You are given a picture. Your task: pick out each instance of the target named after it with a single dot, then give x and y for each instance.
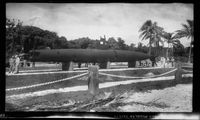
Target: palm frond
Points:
(145, 25)
(180, 34)
(185, 26)
(190, 23)
(142, 34)
(187, 30)
(146, 36)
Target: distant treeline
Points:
(22, 39)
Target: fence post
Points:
(93, 82)
(178, 73)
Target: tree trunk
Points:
(159, 50)
(34, 46)
(189, 59)
(149, 53)
(167, 51)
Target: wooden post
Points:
(93, 82)
(178, 73)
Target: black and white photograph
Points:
(99, 57)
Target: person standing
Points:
(17, 62)
(11, 63)
(167, 62)
(172, 60)
(153, 61)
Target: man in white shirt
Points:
(11, 63)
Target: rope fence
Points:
(125, 69)
(85, 87)
(106, 74)
(47, 83)
(187, 70)
(21, 74)
(138, 77)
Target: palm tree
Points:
(170, 39)
(150, 31)
(187, 32)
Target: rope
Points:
(188, 66)
(138, 77)
(187, 70)
(85, 87)
(44, 73)
(25, 71)
(105, 70)
(47, 83)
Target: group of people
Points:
(157, 61)
(14, 63)
(167, 61)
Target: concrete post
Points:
(93, 82)
(69, 66)
(178, 73)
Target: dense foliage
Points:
(22, 39)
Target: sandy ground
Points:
(177, 99)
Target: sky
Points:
(76, 20)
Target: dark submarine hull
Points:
(86, 55)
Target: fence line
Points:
(41, 84)
(138, 77)
(46, 70)
(124, 69)
(47, 83)
(85, 87)
(102, 70)
(187, 71)
(45, 73)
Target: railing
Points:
(93, 76)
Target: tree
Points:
(13, 36)
(121, 43)
(140, 45)
(170, 39)
(112, 43)
(141, 48)
(187, 31)
(150, 30)
(34, 38)
(61, 43)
